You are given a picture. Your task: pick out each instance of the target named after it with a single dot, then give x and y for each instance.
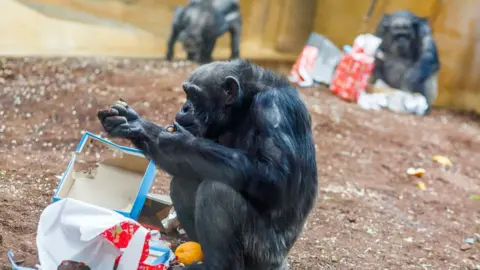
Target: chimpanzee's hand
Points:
(120, 121)
(175, 135)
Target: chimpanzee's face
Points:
(192, 43)
(194, 114)
(403, 36)
(210, 93)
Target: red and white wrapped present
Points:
(74, 231)
(316, 62)
(354, 69)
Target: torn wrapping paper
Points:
(354, 69)
(368, 43)
(316, 63)
(98, 237)
(394, 100)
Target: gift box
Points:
(108, 175)
(355, 67)
(316, 63)
(72, 232)
(351, 76)
(156, 208)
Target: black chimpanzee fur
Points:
(408, 57)
(242, 159)
(200, 23)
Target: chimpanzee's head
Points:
(192, 42)
(214, 94)
(400, 33)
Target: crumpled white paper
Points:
(368, 42)
(70, 230)
(396, 100)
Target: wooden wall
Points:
(456, 30)
(27, 32)
(274, 31)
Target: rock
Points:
(351, 218)
(470, 240)
(408, 239)
(465, 247)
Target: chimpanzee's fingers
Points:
(121, 131)
(126, 111)
(106, 113)
(179, 127)
(111, 122)
(122, 110)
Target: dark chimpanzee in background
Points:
(242, 158)
(407, 58)
(200, 23)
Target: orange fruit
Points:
(189, 252)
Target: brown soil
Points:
(370, 214)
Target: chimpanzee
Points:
(242, 157)
(200, 23)
(407, 58)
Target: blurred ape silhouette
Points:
(407, 58)
(200, 23)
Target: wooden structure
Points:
(274, 32)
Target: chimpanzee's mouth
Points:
(190, 127)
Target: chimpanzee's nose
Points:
(184, 113)
(186, 108)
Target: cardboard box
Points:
(316, 63)
(155, 209)
(119, 182)
(351, 76)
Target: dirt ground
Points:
(369, 215)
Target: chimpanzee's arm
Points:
(377, 73)
(428, 62)
(233, 20)
(207, 49)
(258, 176)
(175, 32)
(235, 33)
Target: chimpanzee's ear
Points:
(232, 90)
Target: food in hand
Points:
(171, 129)
(122, 102)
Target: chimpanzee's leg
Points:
(221, 217)
(207, 50)
(177, 27)
(171, 42)
(235, 33)
(182, 192)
